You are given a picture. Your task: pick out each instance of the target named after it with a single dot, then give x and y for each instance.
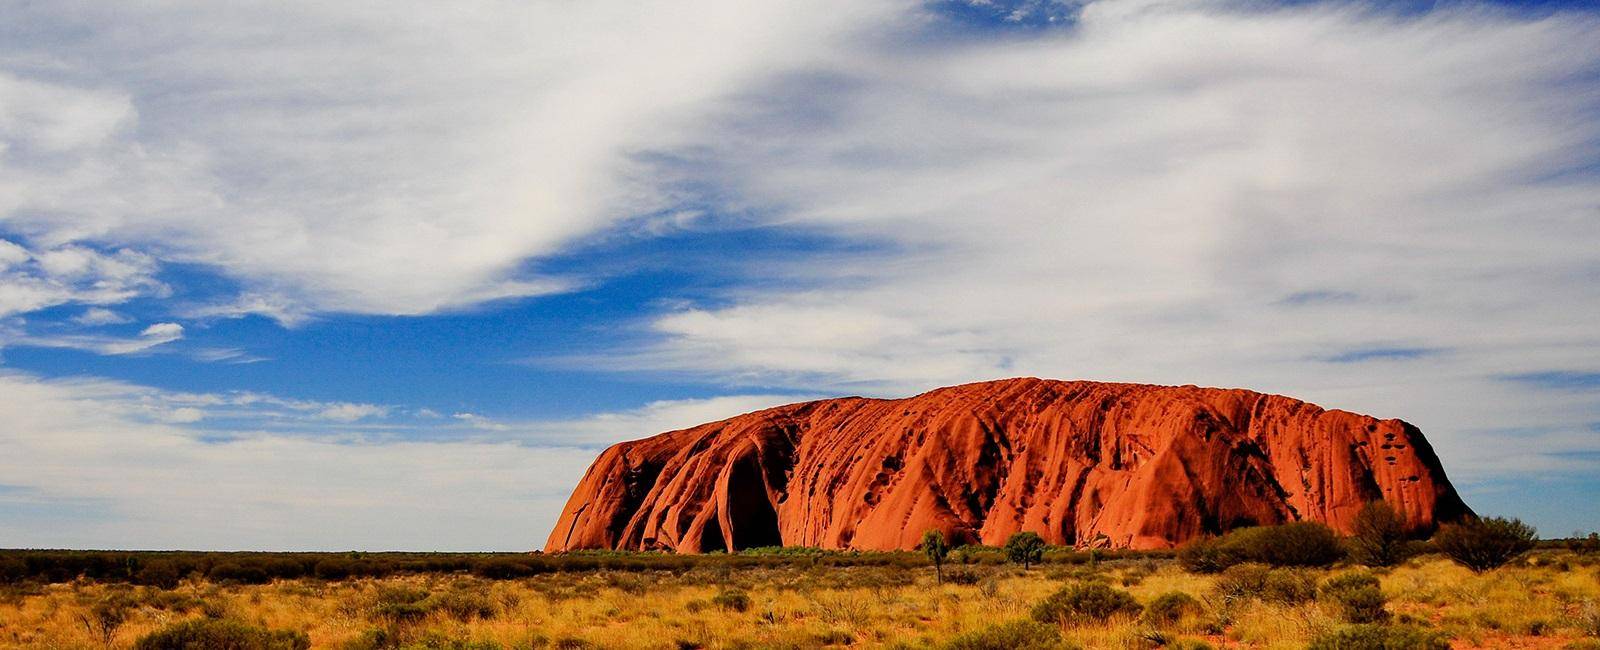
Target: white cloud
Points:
(480, 422)
(86, 453)
(413, 173)
(12, 254)
(151, 337)
(347, 412)
(167, 331)
(94, 316)
(1184, 192)
(36, 279)
(185, 415)
(127, 466)
(603, 429)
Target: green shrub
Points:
(12, 570)
(1357, 597)
(1204, 556)
(1484, 544)
(1363, 605)
(373, 639)
(1380, 536)
(333, 569)
(401, 604)
(962, 577)
(1581, 544)
(1380, 637)
(1083, 603)
(211, 634)
(248, 574)
(504, 569)
(158, 573)
(1289, 586)
(1170, 607)
(436, 641)
(733, 599)
(1015, 635)
(388, 594)
(1242, 581)
(1301, 543)
(1349, 581)
(1025, 548)
(108, 614)
(463, 605)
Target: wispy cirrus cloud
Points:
(1558, 379)
(147, 339)
(414, 173)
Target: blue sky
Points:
(285, 276)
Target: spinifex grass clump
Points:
(1356, 596)
(1171, 607)
(1380, 637)
(1013, 635)
(1258, 581)
(1085, 603)
(213, 634)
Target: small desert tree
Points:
(1025, 548)
(934, 544)
(1379, 535)
(1483, 544)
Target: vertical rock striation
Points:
(1084, 463)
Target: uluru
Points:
(1081, 463)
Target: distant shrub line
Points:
(166, 568)
(1480, 544)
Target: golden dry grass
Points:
(1549, 602)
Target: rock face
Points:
(1084, 463)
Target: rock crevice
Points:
(1125, 465)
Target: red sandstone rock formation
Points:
(1122, 465)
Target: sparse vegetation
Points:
(1085, 603)
(798, 598)
(732, 600)
(1380, 637)
(1358, 597)
(1025, 548)
(1380, 536)
(212, 634)
(1169, 608)
(1297, 544)
(1484, 544)
(1015, 635)
(937, 549)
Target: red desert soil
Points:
(1083, 463)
